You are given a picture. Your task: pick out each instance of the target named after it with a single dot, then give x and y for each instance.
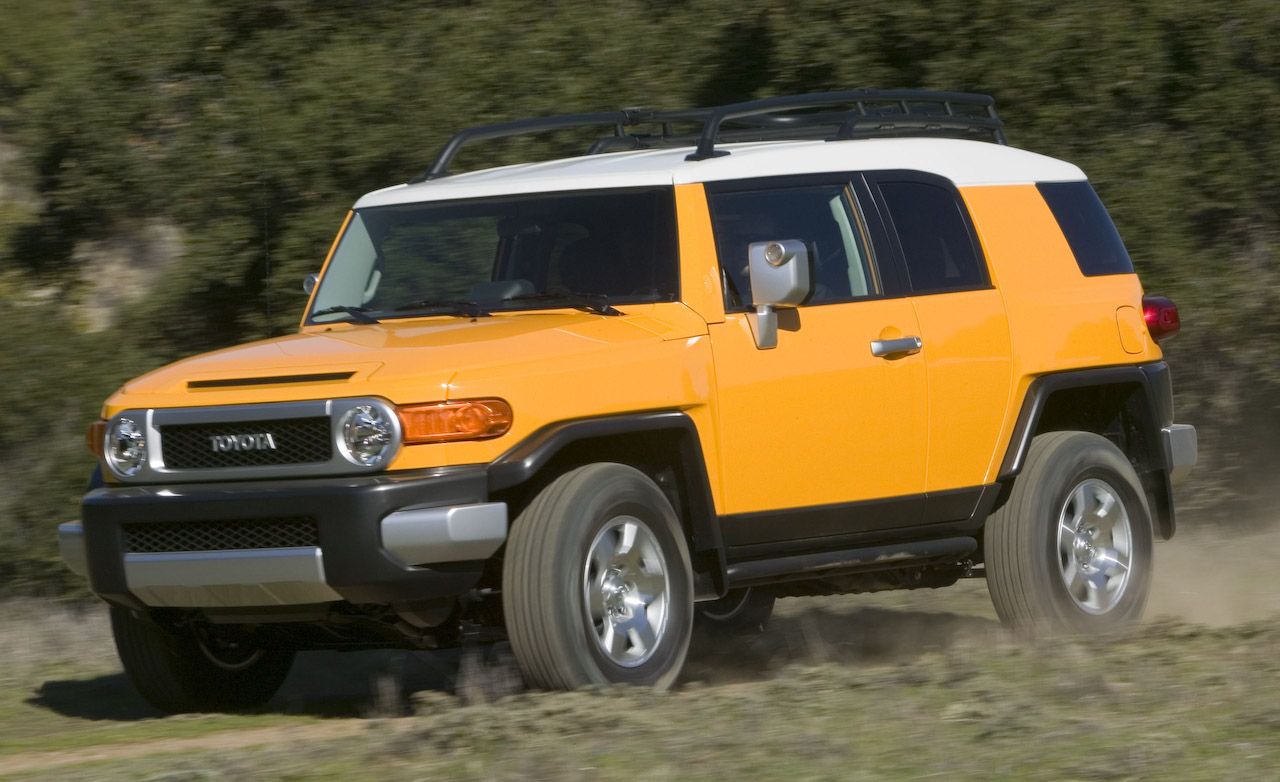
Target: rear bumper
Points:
(384, 539)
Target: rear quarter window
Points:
(1087, 227)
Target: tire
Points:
(1077, 515)
(179, 673)
(740, 612)
(578, 597)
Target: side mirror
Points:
(309, 283)
(779, 273)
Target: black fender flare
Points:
(523, 461)
(1156, 391)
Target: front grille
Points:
(289, 532)
(297, 441)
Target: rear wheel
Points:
(597, 584)
(191, 671)
(1071, 549)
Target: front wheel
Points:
(1071, 549)
(597, 587)
(189, 671)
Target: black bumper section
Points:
(347, 512)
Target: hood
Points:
(403, 361)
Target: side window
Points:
(935, 240)
(1084, 221)
(824, 217)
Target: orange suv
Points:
(818, 344)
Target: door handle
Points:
(907, 346)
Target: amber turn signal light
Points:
(94, 437)
(444, 422)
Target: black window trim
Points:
(881, 262)
(670, 190)
(876, 178)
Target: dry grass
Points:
(900, 685)
(44, 636)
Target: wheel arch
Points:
(1127, 404)
(662, 444)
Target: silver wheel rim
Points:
(1095, 546)
(625, 587)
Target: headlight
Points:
(369, 435)
(126, 447)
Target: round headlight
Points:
(368, 434)
(126, 447)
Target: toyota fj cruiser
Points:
(819, 344)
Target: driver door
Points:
(819, 436)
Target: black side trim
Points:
(1044, 387)
(851, 561)
(815, 523)
(232, 382)
(527, 458)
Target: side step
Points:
(826, 563)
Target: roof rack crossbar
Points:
(865, 114)
(903, 99)
(620, 120)
(440, 166)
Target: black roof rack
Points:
(848, 114)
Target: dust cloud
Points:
(1218, 574)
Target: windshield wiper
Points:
(597, 303)
(358, 314)
(465, 309)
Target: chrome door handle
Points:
(894, 347)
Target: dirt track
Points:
(1212, 580)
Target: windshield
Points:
(473, 258)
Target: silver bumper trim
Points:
(71, 547)
(1180, 450)
(450, 534)
(217, 579)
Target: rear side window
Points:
(935, 239)
(1088, 228)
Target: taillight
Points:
(1161, 316)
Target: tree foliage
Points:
(253, 124)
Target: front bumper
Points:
(380, 539)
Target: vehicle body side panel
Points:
(967, 355)
(819, 419)
(1059, 319)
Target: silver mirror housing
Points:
(309, 283)
(779, 272)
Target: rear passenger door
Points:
(967, 350)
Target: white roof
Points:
(966, 163)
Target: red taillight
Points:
(1161, 316)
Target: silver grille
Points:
(250, 442)
(296, 440)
